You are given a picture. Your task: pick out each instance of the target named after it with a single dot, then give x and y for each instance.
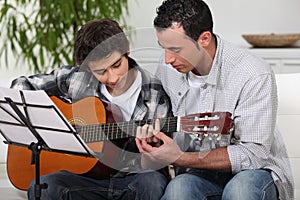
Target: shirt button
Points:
(179, 93)
(204, 86)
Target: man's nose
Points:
(169, 57)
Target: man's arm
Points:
(216, 159)
(170, 153)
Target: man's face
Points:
(112, 71)
(182, 52)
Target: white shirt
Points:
(126, 101)
(197, 83)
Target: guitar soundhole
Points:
(77, 121)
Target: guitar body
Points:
(89, 110)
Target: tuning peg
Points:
(199, 136)
(217, 136)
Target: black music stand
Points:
(30, 119)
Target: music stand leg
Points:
(36, 150)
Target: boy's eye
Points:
(116, 65)
(99, 72)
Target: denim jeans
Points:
(201, 185)
(66, 185)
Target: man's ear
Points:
(204, 39)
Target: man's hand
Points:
(168, 152)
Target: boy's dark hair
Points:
(97, 39)
(194, 15)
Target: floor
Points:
(7, 190)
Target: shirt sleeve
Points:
(254, 118)
(55, 83)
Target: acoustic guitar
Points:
(99, 124)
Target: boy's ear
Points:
(128, 51)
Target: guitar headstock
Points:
(207, 123)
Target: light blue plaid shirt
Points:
(244, 85)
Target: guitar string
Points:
(107, 130)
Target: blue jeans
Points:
(201, 185)
(66, 185)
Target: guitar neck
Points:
(198, 124)
(121, 130)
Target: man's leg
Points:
(144, 186)
(190, 187)
(251, 185)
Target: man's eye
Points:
(174, 50)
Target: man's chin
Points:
(182, 70)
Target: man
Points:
(106, 71)
(201, 72)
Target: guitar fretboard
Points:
(121, 130)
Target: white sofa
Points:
(288, 119)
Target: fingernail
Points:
(155, 132)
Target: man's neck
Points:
(207, 58)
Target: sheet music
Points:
(44, 116)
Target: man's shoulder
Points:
(243, 61)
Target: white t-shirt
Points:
(196, 90)
(126, 101)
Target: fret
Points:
(122, 130)
(113, 135)
(93, 136)
(103, 134)
(106, 132)
(88, 134)
(127, 131)
(97, 133)
(79, 131)
(82, 133)
(112, 132)
(117, 131)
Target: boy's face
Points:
(113, 71)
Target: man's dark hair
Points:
(97, 39)
(194, 15)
